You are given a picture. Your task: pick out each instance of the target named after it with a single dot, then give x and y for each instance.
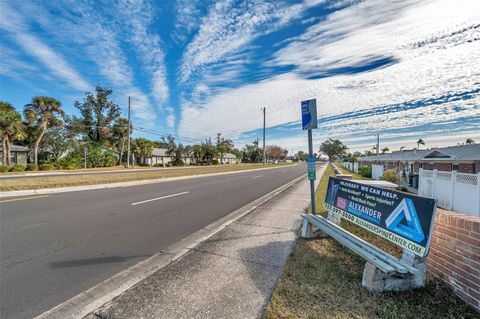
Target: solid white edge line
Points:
(158, 198)
(258, 176)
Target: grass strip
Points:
(93, 179)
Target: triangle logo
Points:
(405, 211)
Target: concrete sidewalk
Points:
(230, 275)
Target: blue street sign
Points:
(309, 114)
(311, 169)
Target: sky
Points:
(402, 69)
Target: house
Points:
(18, 154)
(229, 158)
(461, 158)
(160, 156)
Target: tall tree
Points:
(420, 141)
(469, 141)
(119, 134)
(58, 140)
(385, 150)
(98, 114)
(11, 128)
(333, 149)
(224, 145)
(170, 145)
(209, 150)
(44, 112)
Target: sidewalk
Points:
(230, 275)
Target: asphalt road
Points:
(55, 247)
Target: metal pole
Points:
(264, 156)
(378, 143)
(128, 147)
(85, 155)
(312, 183)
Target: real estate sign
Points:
(401, 218)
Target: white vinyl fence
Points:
(351, 167)
(459, 192)
(377, 171)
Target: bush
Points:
(215, 162)
(365, 171)
(391, 175)
(31, 167)
(72, 161)
(4, 168)
(46, 167)
(168, 164)
(17, 168)
(177, 162)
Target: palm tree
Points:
(469, 141)
(385, 150)
(120, 132)
(420, 141)
(402, 148)
(11, 128)
(44, 112)
(145, 148)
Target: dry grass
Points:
(64, 181)
(322, 279)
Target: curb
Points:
(42, 191)
(85, 303)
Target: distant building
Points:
(229, 158)
(461, 158)
(18, 154)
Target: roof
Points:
(229, 155)
(454, 153)
(159, 152)
(17, 148)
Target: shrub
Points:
(17, 168)
(365, 171)
(158, 165)
(168, 164)
(391, 175)
(46, 167)
(31, 167)
(215, 162)
(72, 161)
(4, 168)
(177, 162)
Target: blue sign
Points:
(309, 114)
(401, 218)
(311, 169)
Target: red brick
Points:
(468, 239)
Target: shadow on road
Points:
(93, 261)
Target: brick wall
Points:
(446, 167)
(466, 168)
(455, 254)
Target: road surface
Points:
(57, 246)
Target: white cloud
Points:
(436, 54)
(231, 26)
(14, 24)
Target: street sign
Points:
(401, 218)
(309, 114)
(311, 169)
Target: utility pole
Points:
(129, 125)
(378, 143)
(264, 156)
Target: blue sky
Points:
(403, 69)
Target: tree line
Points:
(98, 136)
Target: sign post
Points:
(309, 122)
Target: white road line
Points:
(258, 176)
(31, 226)
(158, 198)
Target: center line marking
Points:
(158, 198)
(258, 176)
